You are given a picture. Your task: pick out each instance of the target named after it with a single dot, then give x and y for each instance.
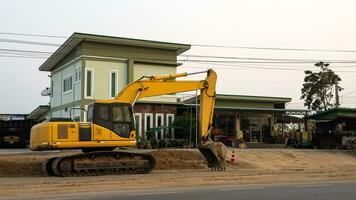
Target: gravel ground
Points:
(182, 168)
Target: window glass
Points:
(90, 113)
(52, 89)
(67, 84)
(170, 124)
(137, 122)
(121, 114)
(159, 123)
(148, 122)
(89, 80)
(76, 118)
(113, 84)
(77, 74)
(103, 112)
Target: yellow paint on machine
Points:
(65, 135)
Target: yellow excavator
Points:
(111, 125)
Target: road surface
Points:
(13, 151)
(313, 191)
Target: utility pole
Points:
(196, 118)
(337, 99)
(190, 124)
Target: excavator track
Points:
(100, 163)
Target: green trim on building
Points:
(334, 114)
(64, 106)
(253, 98)
(246, 98)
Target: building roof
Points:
(334, 113)
(38, 112)
(273, 110)
(76, 38)
(9, 117)
(250, 98)
(253, 98)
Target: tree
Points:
(185, 121)
(318, 88)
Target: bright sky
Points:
(317, 24)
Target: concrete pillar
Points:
(239, 133)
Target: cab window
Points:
(103, 112)
(90, 113)
(121, 114)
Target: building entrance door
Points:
(255, 129)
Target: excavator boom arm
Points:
(161, 85)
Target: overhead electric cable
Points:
(32, 35)
(274, 48)
(28, 42)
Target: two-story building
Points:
(88, 67)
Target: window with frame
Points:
(122, 121)
(90, 113)
(113, 83)
(67, 84)
(78, 74)
(170, 123)
(52, 89)
(138, 123)
(148, 124)
(159, 124)
(89, 84)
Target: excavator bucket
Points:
(214, 153)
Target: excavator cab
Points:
(116, 117)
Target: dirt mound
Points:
(291, 159)
(20, 168)
(30, 164)
(178, 159)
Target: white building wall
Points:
(59, 98)
(101, 77)
(77, 89)
(155, 70)
(56, 96)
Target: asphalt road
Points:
(305, 191)
(13, 151)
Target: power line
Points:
(15, 56)
(275, 62)
(32, 35)
(205, 45)
(28, 42)
(219, 57)
(26, 51)
(353, 91)
(274, 48)
(31, 52)
(220, 63)
(236, 67)
(256, 58)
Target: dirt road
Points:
(253, 166)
